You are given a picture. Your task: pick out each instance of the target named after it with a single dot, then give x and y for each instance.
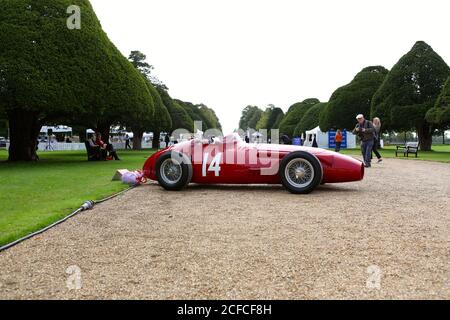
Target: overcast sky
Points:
(229, 54)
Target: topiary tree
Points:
(201, 112)
(275, 116)
(440, 114)
(161, 121)
(180, 117)
(311, 119)
(263, 122)
(278, 120)
(140, 121)
(250, 117)
(270, 118)
(146, 121)
(50, 73)
(130, 99)
(209, 117)
(410, 90)
(352, 99)
(295, 114)
(193, 112)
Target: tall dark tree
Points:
(352, 99)
(410, 90)
(440, 114)
(3, 127)
(311, 119)
(138, 59)
(295, 114)
(51, 73)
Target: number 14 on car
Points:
(214, 166)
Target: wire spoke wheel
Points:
(171, 171)
(299, 172)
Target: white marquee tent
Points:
(323, 139)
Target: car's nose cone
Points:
(345, 169)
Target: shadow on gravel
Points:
(236, 187)
(336, 188)
(322, 189)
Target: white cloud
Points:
(228, 54)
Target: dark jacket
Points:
(369, 132)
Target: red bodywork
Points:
(243, 163)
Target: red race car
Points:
(232, 161)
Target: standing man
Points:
(365, 130)
(127, 142)
(166, 140)
(338, 140)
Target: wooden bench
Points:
(409, 147)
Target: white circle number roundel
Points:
(214, 166)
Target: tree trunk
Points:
(24, 130)
(104, 129)
(81, 132)
(155, 141)
(137, 139)
(425, 137)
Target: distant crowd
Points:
(101, 150)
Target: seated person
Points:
(96, 149)
(105, 148)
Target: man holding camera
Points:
(365, 130)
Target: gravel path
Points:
(390, 231)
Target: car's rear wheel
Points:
(173, 171)
(300, 172)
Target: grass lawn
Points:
(33, 195)
(440, 153)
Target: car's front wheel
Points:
(173, 172)
(300, 172)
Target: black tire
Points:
(313, 169)
(182, 162)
